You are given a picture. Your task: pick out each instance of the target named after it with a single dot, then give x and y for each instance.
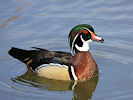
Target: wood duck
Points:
(77, 65)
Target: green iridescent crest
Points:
(77, 30)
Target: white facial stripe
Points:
(73, 44)
(82, 39)
(85, 46)
(95, 37)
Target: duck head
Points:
(80, 36)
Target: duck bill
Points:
(96, 38)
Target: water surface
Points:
(46, 24)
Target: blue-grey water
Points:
(46, 24)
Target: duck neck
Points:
(84, 47)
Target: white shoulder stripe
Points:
(73, 73)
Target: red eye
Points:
(85, 31)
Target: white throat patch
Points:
(85, 46)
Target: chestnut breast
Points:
(84, 65)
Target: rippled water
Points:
(46, 24)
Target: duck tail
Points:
(20, 54)
(32, 58)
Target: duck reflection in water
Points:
(82, 90)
